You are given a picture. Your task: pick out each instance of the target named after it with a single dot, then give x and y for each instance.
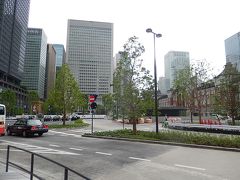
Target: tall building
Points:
(175, 61)
(90, 55)
(163, 85)
(35, 61)
(13, 30)
(50, 73)
(232, 50)
(60, 55)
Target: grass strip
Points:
(75, 124)
(231, 141)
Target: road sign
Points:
(91, 98)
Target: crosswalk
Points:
(52, 149)
(33, 148)
(74, 133)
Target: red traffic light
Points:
(93, 105)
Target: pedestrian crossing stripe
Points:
(35, 149)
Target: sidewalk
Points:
(12, 174)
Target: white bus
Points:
(2, 119)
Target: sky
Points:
(196, 26)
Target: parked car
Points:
(47, 118)
(27, 127)
(74, 117)
(56, 118)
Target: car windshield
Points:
(34, 122)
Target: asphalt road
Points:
(110, 159)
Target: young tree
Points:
(108, 103)
(202, 74)
(8, 98)
(189, 86)
(227, 92)
(131, 82)
(184, 87)
(66, 95)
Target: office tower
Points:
(13, 30)
(35, 61)
(60, 56)
(50, 73)
(163, 85)
(90, 56)
(175, 61)
(232, 50)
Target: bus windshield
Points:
(2, 112)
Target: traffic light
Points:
(93, 105)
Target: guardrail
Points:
(31, 172)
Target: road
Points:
(110, 159)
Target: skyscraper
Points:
(232, 50)
(60, 55)
(175, 61)
(13, 30)
(90, 56)
(35, 61)
(50, 73)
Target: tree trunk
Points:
(64, 118)
(191, 117)
(233, 120)
(200, 116)
(134, 126)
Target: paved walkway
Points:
(12, 174)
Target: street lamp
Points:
(149, 30)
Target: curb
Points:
(165, 143)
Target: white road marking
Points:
(77, 130)
(67, 134)
(107, 154)
(76, 149)
(15, 150)
(141, 159)
(189, 167)
(44, 150)
(54, 145)
(36, 149)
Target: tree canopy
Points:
(66, 96)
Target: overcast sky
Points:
(197, 26)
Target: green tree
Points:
(66, 96)
(184, 87)
(108, 103)
(227, 100)
(9, 99)
(132, 83)
(189, 86)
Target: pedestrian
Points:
(165, 123)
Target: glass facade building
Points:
(175, 61)
(232, 50)
(35, 61)
(90, 55)
(60, 55)
(13, 30)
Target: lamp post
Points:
(149, 30)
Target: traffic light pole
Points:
(92, 120)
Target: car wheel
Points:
(24, 133)
(9, 133)
(40, 134)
